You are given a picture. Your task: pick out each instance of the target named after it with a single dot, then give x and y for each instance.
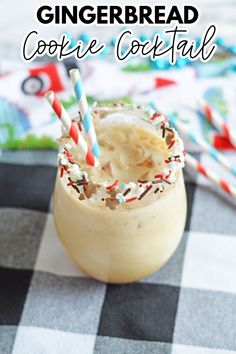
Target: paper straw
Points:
(84, 111)
(71, 127)
(216, 119)
(221, 183)
(197, 139)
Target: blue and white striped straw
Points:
(84, 111)
(195, 138)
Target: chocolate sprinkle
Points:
(165, 180)
(126, 192)
(169, 130)
(156, 190)
(145, 192)
(162, 189)
(76, 188)
(163, 132)
(81, 182)
(142, 180)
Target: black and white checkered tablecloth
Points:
(48, 306)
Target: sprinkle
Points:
(171, 144)
(62, 172)
(168, 175)
(170, 130)
(158, 189)
(163, 131)
(157, 181)
(145, 192)
(165, 180)
(81, 182)
(131, 199)
(66, 153)
(77, 189)
(126, 192)
(113, 185)
(175, 158)
(70, 183)
(160, 175)
(142, 180)
(71, 161)
(155, 116)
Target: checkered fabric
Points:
(48, 306)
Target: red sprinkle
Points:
(167, 176)
(70, 183)
(131, 199)
(66, 153)
(79, 126)
(113, 185)
(160, 175)
(62, 172)
(155, 116)
(171, 144)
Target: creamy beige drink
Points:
(122, 220)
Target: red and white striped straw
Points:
(71, 127)
(216, 119)
(221, 183)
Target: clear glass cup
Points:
(121, 245)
